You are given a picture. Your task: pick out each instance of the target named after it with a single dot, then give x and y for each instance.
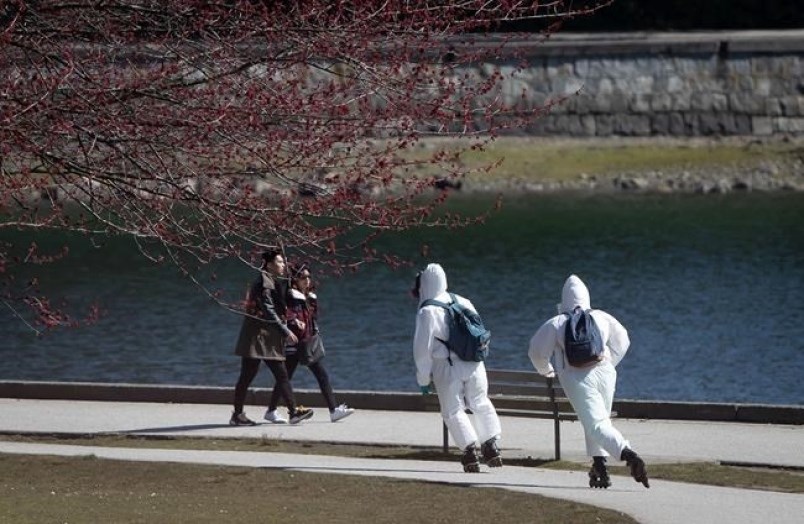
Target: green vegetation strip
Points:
(537, 159)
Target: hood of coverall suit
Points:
(574, 294)
(433, 284)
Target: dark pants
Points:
(248, 370)
(320, 373)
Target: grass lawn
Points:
(57, 489)
(37, 489)
(548, 159)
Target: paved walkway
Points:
(665, 502)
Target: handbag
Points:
(311, 349)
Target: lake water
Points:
(709, 287)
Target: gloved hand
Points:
(425, 389)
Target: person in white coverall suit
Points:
(590, 389)
(454, 379)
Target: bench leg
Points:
(557, 433)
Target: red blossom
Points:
(212, 130)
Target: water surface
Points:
(709, 288)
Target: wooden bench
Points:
(527, 394)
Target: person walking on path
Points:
(302, 319)
(455, 380)
(262, 339)
(589, 388)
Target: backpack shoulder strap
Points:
(577, 309)
(431, 302)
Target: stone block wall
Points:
(696, 84)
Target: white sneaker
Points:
(275, 418)
(340, 412)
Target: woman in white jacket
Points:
(454, 379)
(590, 389)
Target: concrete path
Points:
(665, 502)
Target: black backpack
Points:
(468, 337)
(583, 343)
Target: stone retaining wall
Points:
(672, 84)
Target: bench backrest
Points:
(526, 390)
(523, 383)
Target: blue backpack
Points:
(583, 343)
(468, 337)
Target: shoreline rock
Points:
(654, 182)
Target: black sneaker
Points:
(301, 413)
(491, 453)
(599, 475)
(240, 419)
(470, 462)
(637, 466)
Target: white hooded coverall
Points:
(457, 381)
(591, 389)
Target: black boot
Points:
(599, 475)
(470, 462)
(491, 453)
(637, 466)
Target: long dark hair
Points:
(417, 283)
(295, 271)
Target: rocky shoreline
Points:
(768, 177)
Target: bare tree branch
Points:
(209, 130)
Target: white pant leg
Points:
(591, 392)
(608, 383)
(450, 388)
(476, 392)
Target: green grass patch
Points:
(541, 159)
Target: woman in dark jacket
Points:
(302, 316)
(262, 339)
